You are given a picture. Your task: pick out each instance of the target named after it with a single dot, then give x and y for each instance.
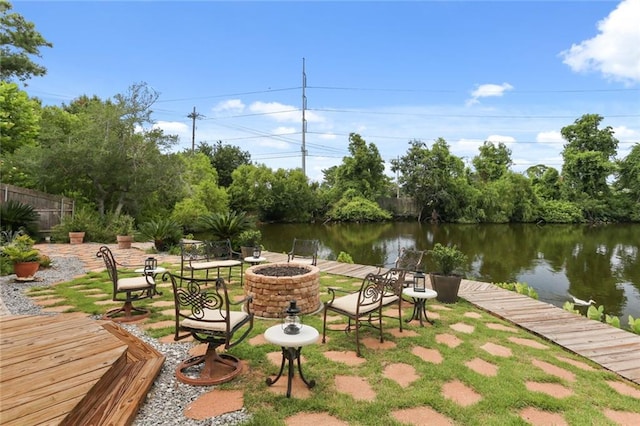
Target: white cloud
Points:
(625, 133)
(274, 143)
(231, 105)
(552, 136)
(171, 127)
(284, 130)
(507, 140)
(327, 136)
(284, 113)
(615, 51)
(488, 90)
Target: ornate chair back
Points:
(304, 250)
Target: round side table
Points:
(419, 303)
(291, 345)
(254, 260)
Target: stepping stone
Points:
(163, 304)
(214, 403)
(375, 344)
(299, 389)
(405, 333)
(527, 342)
(421, 416)
(579, 364)
(439, 307)
(460, 393)
(258, 340)
(501, 327)
(474, 315)
(157, 325)
(463, 328)
(332, 318)
(59, 309)
(106, 302)
(449, 340)
(623, 417)
(624, 389)
(402, 374)
(306, 419)
(554, 370)
(429, 355)
(346, 357)
(276, 359)
(496, 350)
(357, 387)
(552, 389)
(482, 367)
(168, 312)
(48, 302)
(433, 315)
(538, 417)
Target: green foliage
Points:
(447, 258)
(559, 211)
(493, 162)
(354, 208)
(225, 159)
(226, 225)
(569, 306)
(344, 258)
(19, 118)
(18, 216)
(165, 233)
(520, 288)
(594, 313)
(121, 224)
(19, 41)
(82, 220)
(612, 320)
(21, 249)
(634, 324)
(249, 238)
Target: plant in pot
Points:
(25, 258)
(164, 233)
(250, 243)
(123, 225)
(445, 282)
(77, 224)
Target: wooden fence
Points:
(51, 208)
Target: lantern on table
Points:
(419, 282)
(256, 252)
(292, 322)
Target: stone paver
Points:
(482, 367)
(402, 374)
(374, 343)
(307, 419)
(421, 416)
(460, 393)
(449, 340)
(474, 315)
(624, 389)
(497, 350)
(346, 357)
(554, 370)
(214, 403)
(429, 355)
(579, 364)
(552, 389)
(538, 417)
(404, 333)
(357, 387)
(463, 328)
(623, 418)
(501, 327)
(527, 342)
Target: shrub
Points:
(16, 215)
(344, 257)
(226, 225)
(21, 249)
(249, 238)
(164, 233)
(447, 258)
(83, 220)
(357, 209)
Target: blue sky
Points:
(505, 71)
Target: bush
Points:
(555, 211)
(226, 225)
(83, 220)
(357, 209)
(165, 233)
(21, 250)
(16, 215)
(344, 257)
(447, 258)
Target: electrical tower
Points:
(193, 116)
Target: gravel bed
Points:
(167, 398)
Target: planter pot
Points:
(25, 270)
(249, 251)
(76, 237)
(446, 286)
(124, 241)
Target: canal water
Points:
(600, 263)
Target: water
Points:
(600, 263)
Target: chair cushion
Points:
(303, 260)
(134, 283)
(235, 318)
(349, 304)
(213, 264)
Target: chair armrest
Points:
(247, 299)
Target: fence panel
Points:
(50, 208)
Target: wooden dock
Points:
(614, 349)
(70, 369)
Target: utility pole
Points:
(304, 120)
(193, 116)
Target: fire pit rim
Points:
(311, 269)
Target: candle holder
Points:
(292, 323)
(419, 282)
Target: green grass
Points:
(503, 396)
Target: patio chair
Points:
(208, 255)
(407, 264)
(304, 251)
(364, 307)
(203, 311)
(127, 290)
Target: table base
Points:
(290, 354)
(419, 311)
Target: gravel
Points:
(167, 398)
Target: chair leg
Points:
(217, 368)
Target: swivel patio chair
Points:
(364, 307)
(407, 264)
(127, 290)
(203, 311)
(304, 251)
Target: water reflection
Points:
(600, 263)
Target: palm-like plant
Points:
(226, 225)
(16, 215)
(163, 232)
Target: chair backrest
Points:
(196, 298)
(374, 288)
(110, 263)
(220, 249)
(305, 248)
(410, 260)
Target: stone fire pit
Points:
(274, 285)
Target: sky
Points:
(467, 71)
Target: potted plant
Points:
(24, 256)
(76, 225)
(164, 233)
(448, 260)
(250, 241)
(123, 225)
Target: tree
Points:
(545, 181)
(628, 182)
(434, 177)
(225, 159)
(19, 41)
(493, 162)
(19, 118)
(363, 171)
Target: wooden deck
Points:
(614, 349)
(69, 369)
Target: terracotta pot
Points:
(124, 241)
(76, 237)
(25, 269)
(446, 286)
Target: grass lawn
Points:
(434, 365)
